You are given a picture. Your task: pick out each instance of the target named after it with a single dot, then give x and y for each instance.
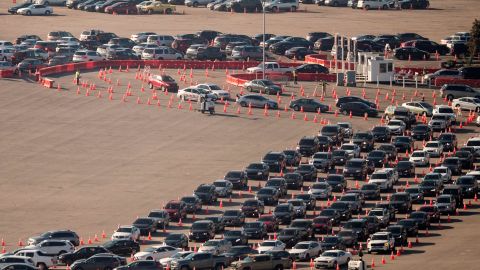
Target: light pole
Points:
(263, 38)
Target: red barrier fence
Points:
(171, 64)
(444, 80)
(241, 78)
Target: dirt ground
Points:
(88, 163)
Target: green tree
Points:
(474, 43)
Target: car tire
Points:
(168, 11)
(296, 108)
(293, 9)
(43, 266)
(150, 85)
(149, 259)
(47, 12)
(385, 7)
(28, 13)
(367, 7)
(274, 9)
(450, 97)
(107, 268)
(243, 104)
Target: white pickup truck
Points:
(381, 242)
(41, 260)
(270, 67)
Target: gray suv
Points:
(451, 91)
(247, 52)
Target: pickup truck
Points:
(199, 261)
(270, 67)
(381, 242)
(261, 262)
(41, 260)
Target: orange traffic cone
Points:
(149, 236)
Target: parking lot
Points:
(88, 163)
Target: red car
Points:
(122, 8)
(322, 224)
(270, 222)
(163, 82)
(176, 209)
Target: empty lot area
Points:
(88, 164)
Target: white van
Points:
(51, 2)
(161, 53)
(276, 5)
(160, 40)
(373, 4)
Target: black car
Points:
(429, 187)
(305, 225)
(348, 237)
(430, 46)
(284, 213)
(422, 219)
(236, 237)
(332, 242)
(400, 234)
(432, 211)
(422, 132)
(334, 132)
(239, 252)
(358, 109)
(322, 224)
(258, 171)
(390, 149)
(401, 201)
(15, 8)
(410, 225)
(81, 253)
(202, 230)
(339, 157)
(268, 195)
(412, 4)
(308, 105)
(378, 157)
(314, 36)
(255, 230)
(276, 161)
(349, 99)
(410, 53)
(326, 143)
(234, 218)
(237, 178)
(333, 214)
(294, 180)
(178, 240)
(357, 168)
(291, 236)
(364, 140)
(311, 68)
(193, 203)
(371, 191)
(386, 205)
(457, 193)
(343, 208)
(253, 207)
(218, 222)
(381, 134)
(359, 227)
(123, 247)
(206, 193)
(141, 265)
(298, 53)
(468, 184)
(99, 261)
(466, 159)
(245, 5)
(307, 171)
(278, 183)
(337, 182)
(308, 146)
(293, 157)
(146, 225)
(406, 168)
(308, 199)
(281, 47)
(448, 140)
(403, 143)
(454, 164)
(373, 224)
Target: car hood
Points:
(263, 249)
(124, 234)
(297, 251)
(318, 190)
(378, 241)
(142, 254)
(322, 258)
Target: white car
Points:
(216, 246)
(305, 250)
(40, 259)
(6, 44)
(223, 188)
(72, 41)
(53, 247)
(439, 122)
(180, 255)
(420, 158)
(332, 258)
(320, 190)
(161, 53)
(85, 55)
(156, 253)
(215, 89)
(433, 148)
(467, 103)
(51, 2)
(10, 259)
(193, 94)
(445, 172)
(419, 107)
(382, 179)
(127, 232)
(353, 150)
(445, 110)
(397, 127)
(160, 40)
(6, 53)
(35, 9)
(141, 36)
(474, 142)
(271, 245)
(381, 242)
(373, 4)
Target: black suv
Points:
(81, 253)
(335, 132)
(276, 161)
(358, 226)
(255, 230)
(308, 146)
(401, 201)
(364, 140)
(56, 235)
(400, 234)
(122, 246)
(357, 168)
(146, 225)
(244, 5)
(448, 140)
(101, 261)
(358, 109)
(293, 157)
(206, 53)
(284, 213)
(349, 99)
(237, 178)
(202, 230)
(378, 157)
(422, 132)
(405, 115)
(381, 134)
(294, 180)
(206, 193)
(403, 143)
(234, 218)
(258, 171)
(253, 207)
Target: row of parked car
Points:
(290, 232)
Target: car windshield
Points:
(386, 147)
(418, 154)
(255, 166)
(321, 156)
(301, 246)
(211, 244)
(462, 154)
(172, 206)
(143, 221)
(361, 136)
(402, 139)
(296, 202)
(376, 213)
(220, 184)
(395, 123)
(289, 153)
(231, 213)
(379, 176)
(330, 240)
(200, 225)
(167, 78)
(273, 183)
(450, 161)
(353, 225)
(404, 165)
(306, 142)
(329, 129)
(426, 105)
(300, 224)
(440, 170)
(150, 249)
(282, 208)
(304, 168)
(394, 230)
(399, 197)
(233, 233)
(203, 189)
(376, 154)
(125, 230)
(189, 199)
(328, 212)
(380, 237)
(250, 203)
(443, 200)
(338, 153)
(348, 199)
(335, 178)
(348, 147)
(445, 110)
(268, 244)
(180, 255)
(266, 191)
(354, 164)
(428, 183)
(412, 190)
(320, 186)
(174, 236)
(432, 144)
(233, 175)
(266, 218)
(380, 129)
(251, 225)
(465, 181)
(271, 156)
(415, 215)
(287, 232)
(420, 128)
(406, 222)
(369, 187)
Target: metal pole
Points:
(263, 9)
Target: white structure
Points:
(374, 67)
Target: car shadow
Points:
(412, 251)
(423, 244)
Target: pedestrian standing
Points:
(295, 79)
(324, 88)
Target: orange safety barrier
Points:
(445, 80)
(6, 73)
(48, 82)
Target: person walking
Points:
(324, 88)
(77, 77)
(295, 78)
